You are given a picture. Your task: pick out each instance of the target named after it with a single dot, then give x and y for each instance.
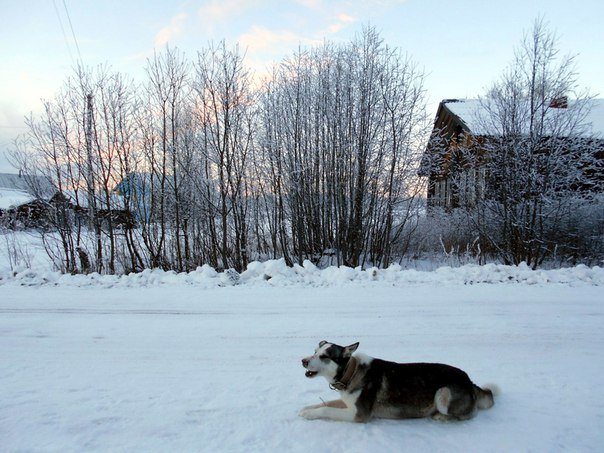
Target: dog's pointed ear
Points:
(322, 343)
(348, 350)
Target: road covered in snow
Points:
(187, 366)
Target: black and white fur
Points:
(372, 387)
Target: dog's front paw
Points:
(310, 413)
(441, 417)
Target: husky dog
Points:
(376, 388)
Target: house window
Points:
(472, 189)
(436, 198)
(448, 193)
(440, 193)
(466, 185)
(481, 177)
(463, 188)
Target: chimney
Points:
(559, 102)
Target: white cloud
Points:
(171, 30)
(264, 47)
(312, 4)
(341, 21)
(261, 39)
(365, 5)
(336, 15)
(221, 10)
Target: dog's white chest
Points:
(350, 399)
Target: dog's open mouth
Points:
(311, 373)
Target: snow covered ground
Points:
(174, 363)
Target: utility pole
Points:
(93, 221)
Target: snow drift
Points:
(277, 273)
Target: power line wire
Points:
(73, 33)
(64, 34)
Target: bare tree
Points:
(539, 153)
(224, 110)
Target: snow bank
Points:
(277, 273)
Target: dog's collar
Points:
(349, 372)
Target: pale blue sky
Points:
(463, 45)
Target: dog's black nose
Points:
(304, 363)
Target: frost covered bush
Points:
(579, 235)
(448, 237)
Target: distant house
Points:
(134, 184)
(33, 202)
(135, 189)
(458, 124)
(139, 192)
(24, 200)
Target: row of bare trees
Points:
(203, 163)
(215, 167)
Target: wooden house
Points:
(459, 131)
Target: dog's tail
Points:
(485, 397)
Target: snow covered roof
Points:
(470, 112)
(16, 189)
(13, 197)
(34, 185)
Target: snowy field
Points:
(170, 363)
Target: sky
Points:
(462, 45)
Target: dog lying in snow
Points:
(372, 387)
